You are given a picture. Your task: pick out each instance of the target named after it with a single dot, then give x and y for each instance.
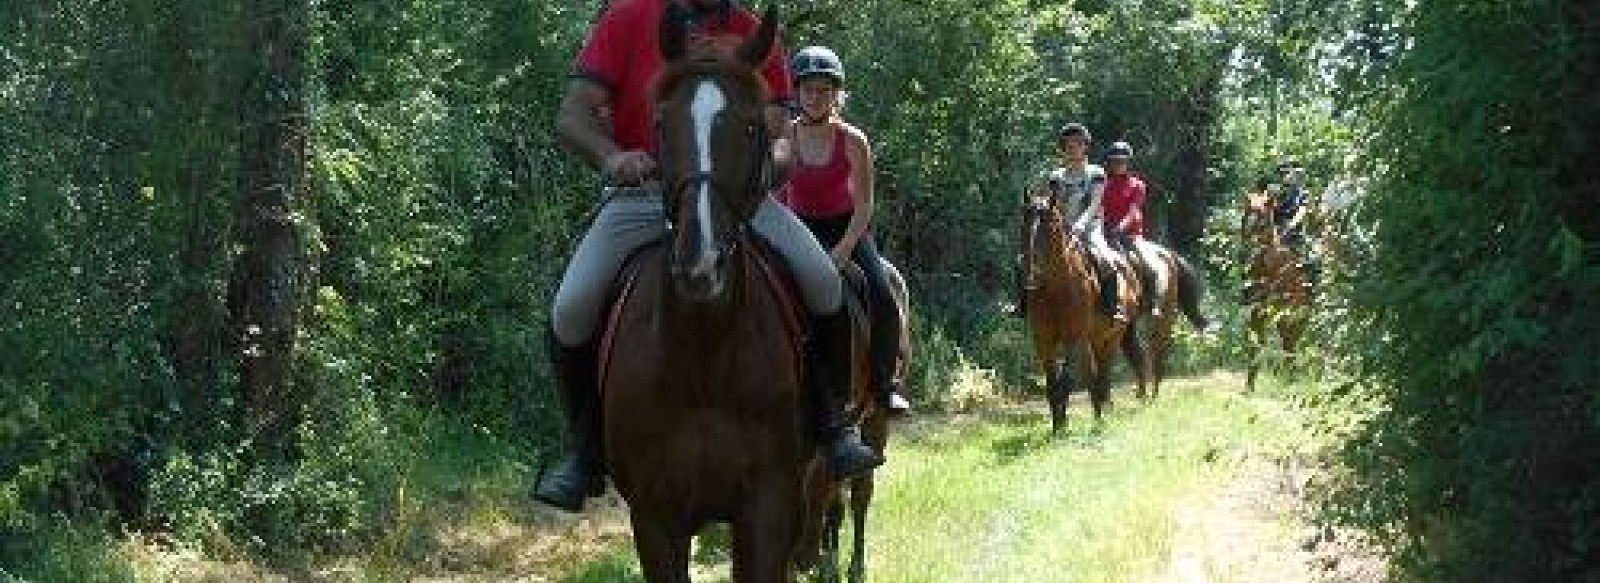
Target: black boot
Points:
(581, 473)
(828, 377)
(1108, 292)
(885, 349)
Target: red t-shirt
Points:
(1124, 196)
(623, 54)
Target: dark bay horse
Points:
(1062, 308)
(820, 545)
(705, 411)
(1168, 285)
(1277, 284)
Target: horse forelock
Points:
(730, 73)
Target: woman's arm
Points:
(861, 171)
(1135, 208)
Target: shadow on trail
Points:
(1030, 432)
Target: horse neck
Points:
(1063, 259)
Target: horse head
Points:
(1258, 221)
(714, 148)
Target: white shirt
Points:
(1079, 192)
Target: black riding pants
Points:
(885, 321)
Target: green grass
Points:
(994, 499)
(991, 497)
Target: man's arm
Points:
(584, 125)
(581, 122)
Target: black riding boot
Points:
(1108, 291)
(828, 377)
(581, 474)
(885, 350)
(886, 329)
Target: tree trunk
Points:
(1190, 199)
(271, 271)
(196, 330)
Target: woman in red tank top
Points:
(830, 188)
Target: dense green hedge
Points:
(1483, 340)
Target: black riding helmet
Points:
(1073, 129)
(1119, 151)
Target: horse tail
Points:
(1190, 288)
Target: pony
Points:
(704, 407)
(1060, 305)
(1276, 290)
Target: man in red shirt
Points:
(606, 117)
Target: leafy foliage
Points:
(1475, 340)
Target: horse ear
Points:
(672, 36)
(755, 50)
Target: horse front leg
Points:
(663, 548)
(766, 532)
(1057, 378)
(860, 502)
(1255, 343)
(828, 563)
(1059, 389)
(1134, 350)
(1098, 375)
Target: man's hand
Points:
(628, 168)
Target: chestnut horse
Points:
(820, 547)
(1062, 308)
(1277, 284)
(705, 411)
(1168, 285)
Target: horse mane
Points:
(709, 64)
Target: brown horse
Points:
(1062, 309)
(820, 548)
(704, 407)
(1168, 285)
(1277, 284)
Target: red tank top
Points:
(821, 190)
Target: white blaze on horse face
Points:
(708, 103)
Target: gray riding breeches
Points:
(633, 217)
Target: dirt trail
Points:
(1251, 529)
